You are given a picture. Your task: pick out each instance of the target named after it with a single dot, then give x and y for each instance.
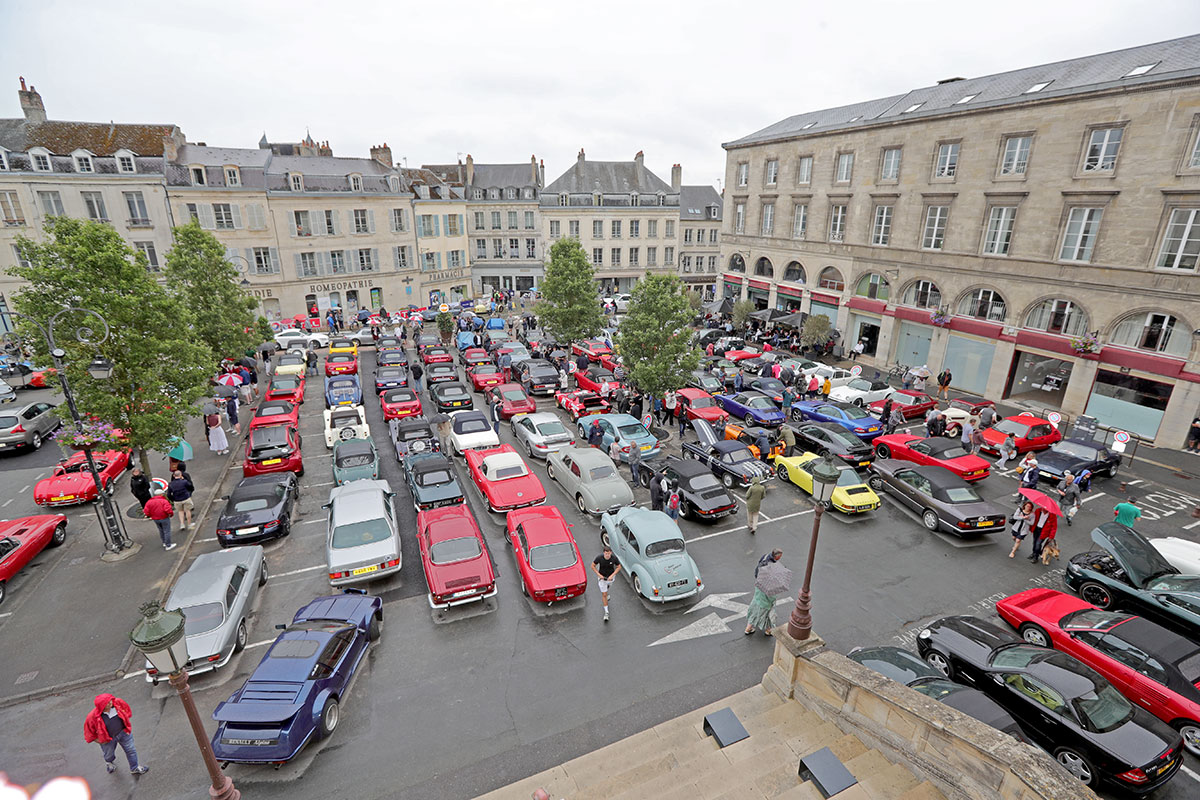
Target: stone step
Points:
(848, 747)
(619, 781)
(923, 791)
(890, 783)
(868, 764)
(787, 720)
(804, 791)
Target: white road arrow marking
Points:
(724, 602)
(708, 625)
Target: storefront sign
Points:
(446, 275)
(261, 293)
(334, 286)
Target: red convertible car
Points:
(475, 355)
(437, 355)
(22, 539)
(484, 375)
(1151, 665)
(276, 412)
(592, 348)
(913, 404)
(548, 558)
(398, 403)
(286, 387)
(1028, 432)
(503, 479)
(512, 400)
(699, 404)
(741, 355)
(457, 566)
(937, 450)
(581, 403)
(341, 364)
(610, 361)
(72, 483)
(594, 378)
(274, 448)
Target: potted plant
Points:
(445, 324)
(1087, 344)
(91, 433)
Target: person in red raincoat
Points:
(1045, 535)
(110, 724)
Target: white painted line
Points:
(6, 614)
(746, 527)
(1191, 774)
(9, 500)
(26, 489)
(297, 571)
(1090, 499)
(326, 483)
(1134, 483)
(311, 521)
(1191, 525)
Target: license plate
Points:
(245, 531)
(987, 523)
(365, 570)
(344, 403)
(872, 429)
(646, 447)
(271, 461)
(674, 584)
(2, 444)
(560, 592)
(864, 463)
(62, 497)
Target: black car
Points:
(771, 387)
(1076, 455)
(943, 500)
(423, 340)
(259, 509)
(390, 378)
(431, 481)
(538, 376)
(829, 438)
(1064, 706)
(731, 461)
(701, 495)
(391, 358)
(412, 435)
(440, 373)
(706, 382)
(388, 343)
(451, 396)
(904, 667)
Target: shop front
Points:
(788, 299)
(732, 287)
(1127, 402)
(969, 360)
(865, 324)
(1039, 378)
(913, 342)
(759, 293)
(824, 305)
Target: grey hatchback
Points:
(27, 426)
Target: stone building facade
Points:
(699, 237)
(996, 226)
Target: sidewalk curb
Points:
(50, 691)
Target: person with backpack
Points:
(943, 382)
(674, 497)
(416, 371)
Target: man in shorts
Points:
(606, 568)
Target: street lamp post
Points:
(824, 477)
(159, 635)
(115, 539)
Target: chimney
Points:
(676, 177)
(325, 150)
(581, 158)
(31, 104)
(639, 158)
(383, 155)
(541, 176)
(470, 170)
(533, 170)
(171, 144)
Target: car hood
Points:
(248, 519)
(704, 432)
(477, 439)
(709, 498)
(1132, 552)
(711, 413)
(844, 394)
(1058, 463)
(752, 468)
(968, 463)
(76, 483)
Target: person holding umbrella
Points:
(772, 580)
(1043, 521)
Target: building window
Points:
(147, 249)
(922, 294)
(668, 256)
(94, 203)
(198, 176)
(495, 220)
(739, 218)
(804, 170)
(799, 220)
(455, 258)
(401, 255)
(712, 235)
(479, 220)
(831, 279)
(670, 231)
(429, 262)
(763, 268)
(635, 199)
(528, 220)
(10, 209)
(889, 166)
(555, 229)
(947, 161)
(393, 183)
(1016, 155)
(635, 228)
(685, 263)
(651, 256)
(1057, 316)
(633, 256)
(881, 229)
(125, 163)
(1103, 145)
(615, 229)
(597, 229)
(399, 220)
(687, 235)
(615, 255)
(1158, 333)
(223, 215)
(477, 194)
(794, 272)
(83, 163)
(365, 261)
(651, 229)
(873, 286)
(512, 220)
(481, 248)
(361, 221)
(453, 228)
(307, 265)
(497, 248)
(232, 177)
(531, 248)
(1181, 244)
(355, 183)
(493, 194)
(303, 223)
(514, 248)
(772, 172)
(999, 230)
(51, 204)
(1037, 87)
(845, 167)
(41, 160)
(768, 219)
(1194, 161)
(22, 261)
(737, 263)
(297, 182)
(1079, 239)
(264, 262)
(573, 228)
(563, 199)
(598, 256)
(743, 174)
(337, 262)
(837, 223)
(712, 263)
(935, 227)
(193, 211)
(425, 226)
(983, 304)
(510, 193)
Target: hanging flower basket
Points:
(93, 434)
(939, 317)
(1086, 344)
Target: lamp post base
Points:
(221, 786)
(799, 625)
(120, 555)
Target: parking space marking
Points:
(26, 489)
(1090, 498)
(6, 502)
(746, 527)
(1134, 483)
(314, 485)
(743, 502)
(1191, 525)
(297, 571)
(1190, 773)
(312, 521)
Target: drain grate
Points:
(27, 677)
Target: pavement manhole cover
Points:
(27, 677)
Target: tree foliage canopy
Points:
(816, 330)
(655, 337)
(570, 305)
(741, 312)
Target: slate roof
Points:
(500, 176)
(585, 177)
(99, 138)
(222, 156)
(1171, 59)
(327, 165)
(695, 200)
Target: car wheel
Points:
(605, 543)
(781, 471)
(876, 483)
(930, 519)
(285, 527)
(637, 583)
(239, 641)
(1096, 594)
(263, 574)
(529, 448)
(939, 662)
(749, 419)
(300, 472)
(953, 431)
(858, 402)
(3, 590)
(727, 481)
(1034, 634)
(883, 451)
(1190, 731)
(685, 510)
(583, 509)
(524, 589)
(1076, 764)
(796, 415)
(582, 433)
(375, 628)
(330, 715)
(59, 536)
(36, 441)
(550, 470)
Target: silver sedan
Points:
(27, 426)
(541, 434)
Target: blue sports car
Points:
(848, 415)
(753, 407)
(342, 390)
(295, 692)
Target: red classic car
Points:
(22, 539)
(1028, 432)
(581, 403)
(436, 355)
(286, 387)
(937, 450)
(341, 364)
(548, 559)
(741, 355)
(912, 404)
(475, 355)
(24, 376)
(275, 448)
(276, 412)
(457, 567)
(699, 404)
(1151, 665)
(503, 479)
(512, 400)
(398, 403)
(592, 348)
(595, 379)
(484, 375)
(610, 361)
(72, 483)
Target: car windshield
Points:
(473, 426)
(269, 436)
(412, 434)
(343, 420)
(664, 547)
(284, 360)
(513, 395)
(486, 369)
(760, 402)
(202, 618)
(962, 494)
(702, 402)
(550, 428)
(245, 504)
(356, 534)
(8, 422)
(859, 384)
(506, 472)
(1017, 656)
(601, 472)
(631, 430)
(770, 385)
(346, 460)
(337, 386)
(434, 477)
(738, 456)
(341, 359)
(1076, 450)
(1017, 429)
(854, 412)
(453, 391)
(1091, 619)
(1103, 708)
(463, 548)
(848, 477)
(547, 557)
(702, 482)
(285, 384)
(937, 689)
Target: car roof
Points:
(473, 415)
(687, 467)
(357, 501)
(940, 444)
(447, 385)
(692, 393)
(500, 460)
(354, 447)
(414, 422)
(427, 462)
(539, 417)
(207, 578)
(648, 525)
(589, 457)
(542, 526)
(938, 476)
(392, 393)
(728, 446)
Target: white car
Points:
(471, 430)
(861, 392)
(837, 377)
(344, 423)
(285, 339)
(1179, 553)
(620, 301)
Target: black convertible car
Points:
(452, 396)
(829, 438)
(701, 495)
(259, 509)
(1076, 455)
(731, 461)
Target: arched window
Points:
(763, 268)
(922, 294)
(830, 278)
(1160, 333)
(1057, 316)
(983, 304)
(737, 263)
(874, 286)
(794, 272)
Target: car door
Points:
(1042, 712)
(235, 600)
(574, 478)
(1040, 436)
(1131, 669)
(631, 553)
(831, 413)
(46, 420)
(906, 484)
(919, 452)
(610, 434)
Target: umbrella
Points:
(269, 345)
(922, 372)
(793, 320)
(209, 407)
(230, 379)
(558, 353)
(527, 314)
(1041, 500)
(768, 314)
(773, 579)
(363, 314)
(225, 391)
(181, 451)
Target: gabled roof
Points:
(585, 177)
(222, 156)
(694, 202)
(99, 138)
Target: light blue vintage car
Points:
(627, 430)
(652, 553)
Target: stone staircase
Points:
(676, 760)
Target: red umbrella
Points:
(230, 379)
(1041, 500)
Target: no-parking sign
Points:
(646, 421)
(856, 370)
(1054, 418)
(1121, 436)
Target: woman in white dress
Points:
(217, 441)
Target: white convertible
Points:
(344, 423)
(1179, 553)
(471, 430)
(861, 392)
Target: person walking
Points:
(769, 558)
(738, 381)
(1193, 440)
(682, 419)
(108, 724)
(943, 381)
(1030, 473)
(606, 568)
(987, 417)
(655, 485)
(1069, 496)
(310, 362)
(670, 401)
(754, 498)
(158, 508)
(761, 613)
(1047, 544)
(506, 366)
(968, 430)
(595, 434)
(976, 441)
(895, 419)
(1020, 525)
(139, 486)
(635, 405)
(217, 441)
(786, 401)
(179, 492)
(252, 370)
(495, 413)
(231, 411)
(1127, 513)
(826, 388)
(789, 439)
(1044, 527)
(416, 371)
(885, 411)
(635, 464)
(1008, 450)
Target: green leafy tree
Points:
(263, 331)
(198, 273)
(655, 338)
(816, 330)
(160, 368)
(694, 300)
(445, 324)
(570, 306)
(741, 312)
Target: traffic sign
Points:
(443, 308)
(1054, 417)
(1121, 436)
(1025, 414)
(856, 370)
(646, 421)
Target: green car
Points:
(355, 460)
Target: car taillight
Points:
(655, 591)
(151, 671)
(333, 576)
(699, 583)
(395, 562)
(18, 429)
(860, 430)
(217, 657)
(1133, 776)
(223, 533)
(964, 524)
(270, 526)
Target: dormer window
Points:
(1037, 87)
(477, 194)
(40, 157)
(83, 161)
(528, 193)
(233, 177)
(493, 194)
(597, 200)
(712, 212)
(807, 126)
(662, 199)
(356, 183)
(634, 200)
(296, 181)
(3, 159)
(393, 183)
(510, 193)
(563, 199)
(125, 162)
(199, 177)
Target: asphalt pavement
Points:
(449, 705)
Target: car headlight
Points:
(924, 634)
(1074, 569)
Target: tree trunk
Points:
(144, 462)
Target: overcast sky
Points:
(504, 80)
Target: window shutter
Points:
(275, 259)
(375, 259)
(446, 223)
(350, 218)
(237, 215)
(396, 257)
(292, 224)
(370, 221)
(324, 263)
(317, 223)
(207, 220)
(439, 261)
(436, 230)
(299, 273)
(251, 267)
(462, 223)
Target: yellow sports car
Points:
(343, 345)
(851, 495)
